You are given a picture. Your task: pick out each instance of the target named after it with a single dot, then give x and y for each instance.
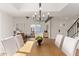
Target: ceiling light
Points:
(40, 16)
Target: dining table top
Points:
(47, 48)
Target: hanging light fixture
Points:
(40, 11)
(40, 16)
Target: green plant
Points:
(39, 38)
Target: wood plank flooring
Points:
(47, 48)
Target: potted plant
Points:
(39, 40)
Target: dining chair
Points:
(10, 45)
(77, 51)
(59, 40)
(69, 46)
(78, 42)
(19, 41)
(2, 51)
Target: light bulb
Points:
(35, 13)
(43, 15)
(48, 13)
(40, 8)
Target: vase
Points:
(39, 42)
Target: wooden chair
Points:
(45, 34)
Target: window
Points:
(36, 28)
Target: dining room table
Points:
(47, 48)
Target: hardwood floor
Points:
(47, 48)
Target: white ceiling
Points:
(23, 9)
(28, 9)
(71, 9)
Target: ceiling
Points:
(28, 9)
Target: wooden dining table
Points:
(47, 48)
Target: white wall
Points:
(49, 28)
(55, 25)
(6, 25)
(0, 25)
(24, 24)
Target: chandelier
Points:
(40, 16)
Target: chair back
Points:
(10, 45)
(69, 46)
(19, 41)
(59, 40)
